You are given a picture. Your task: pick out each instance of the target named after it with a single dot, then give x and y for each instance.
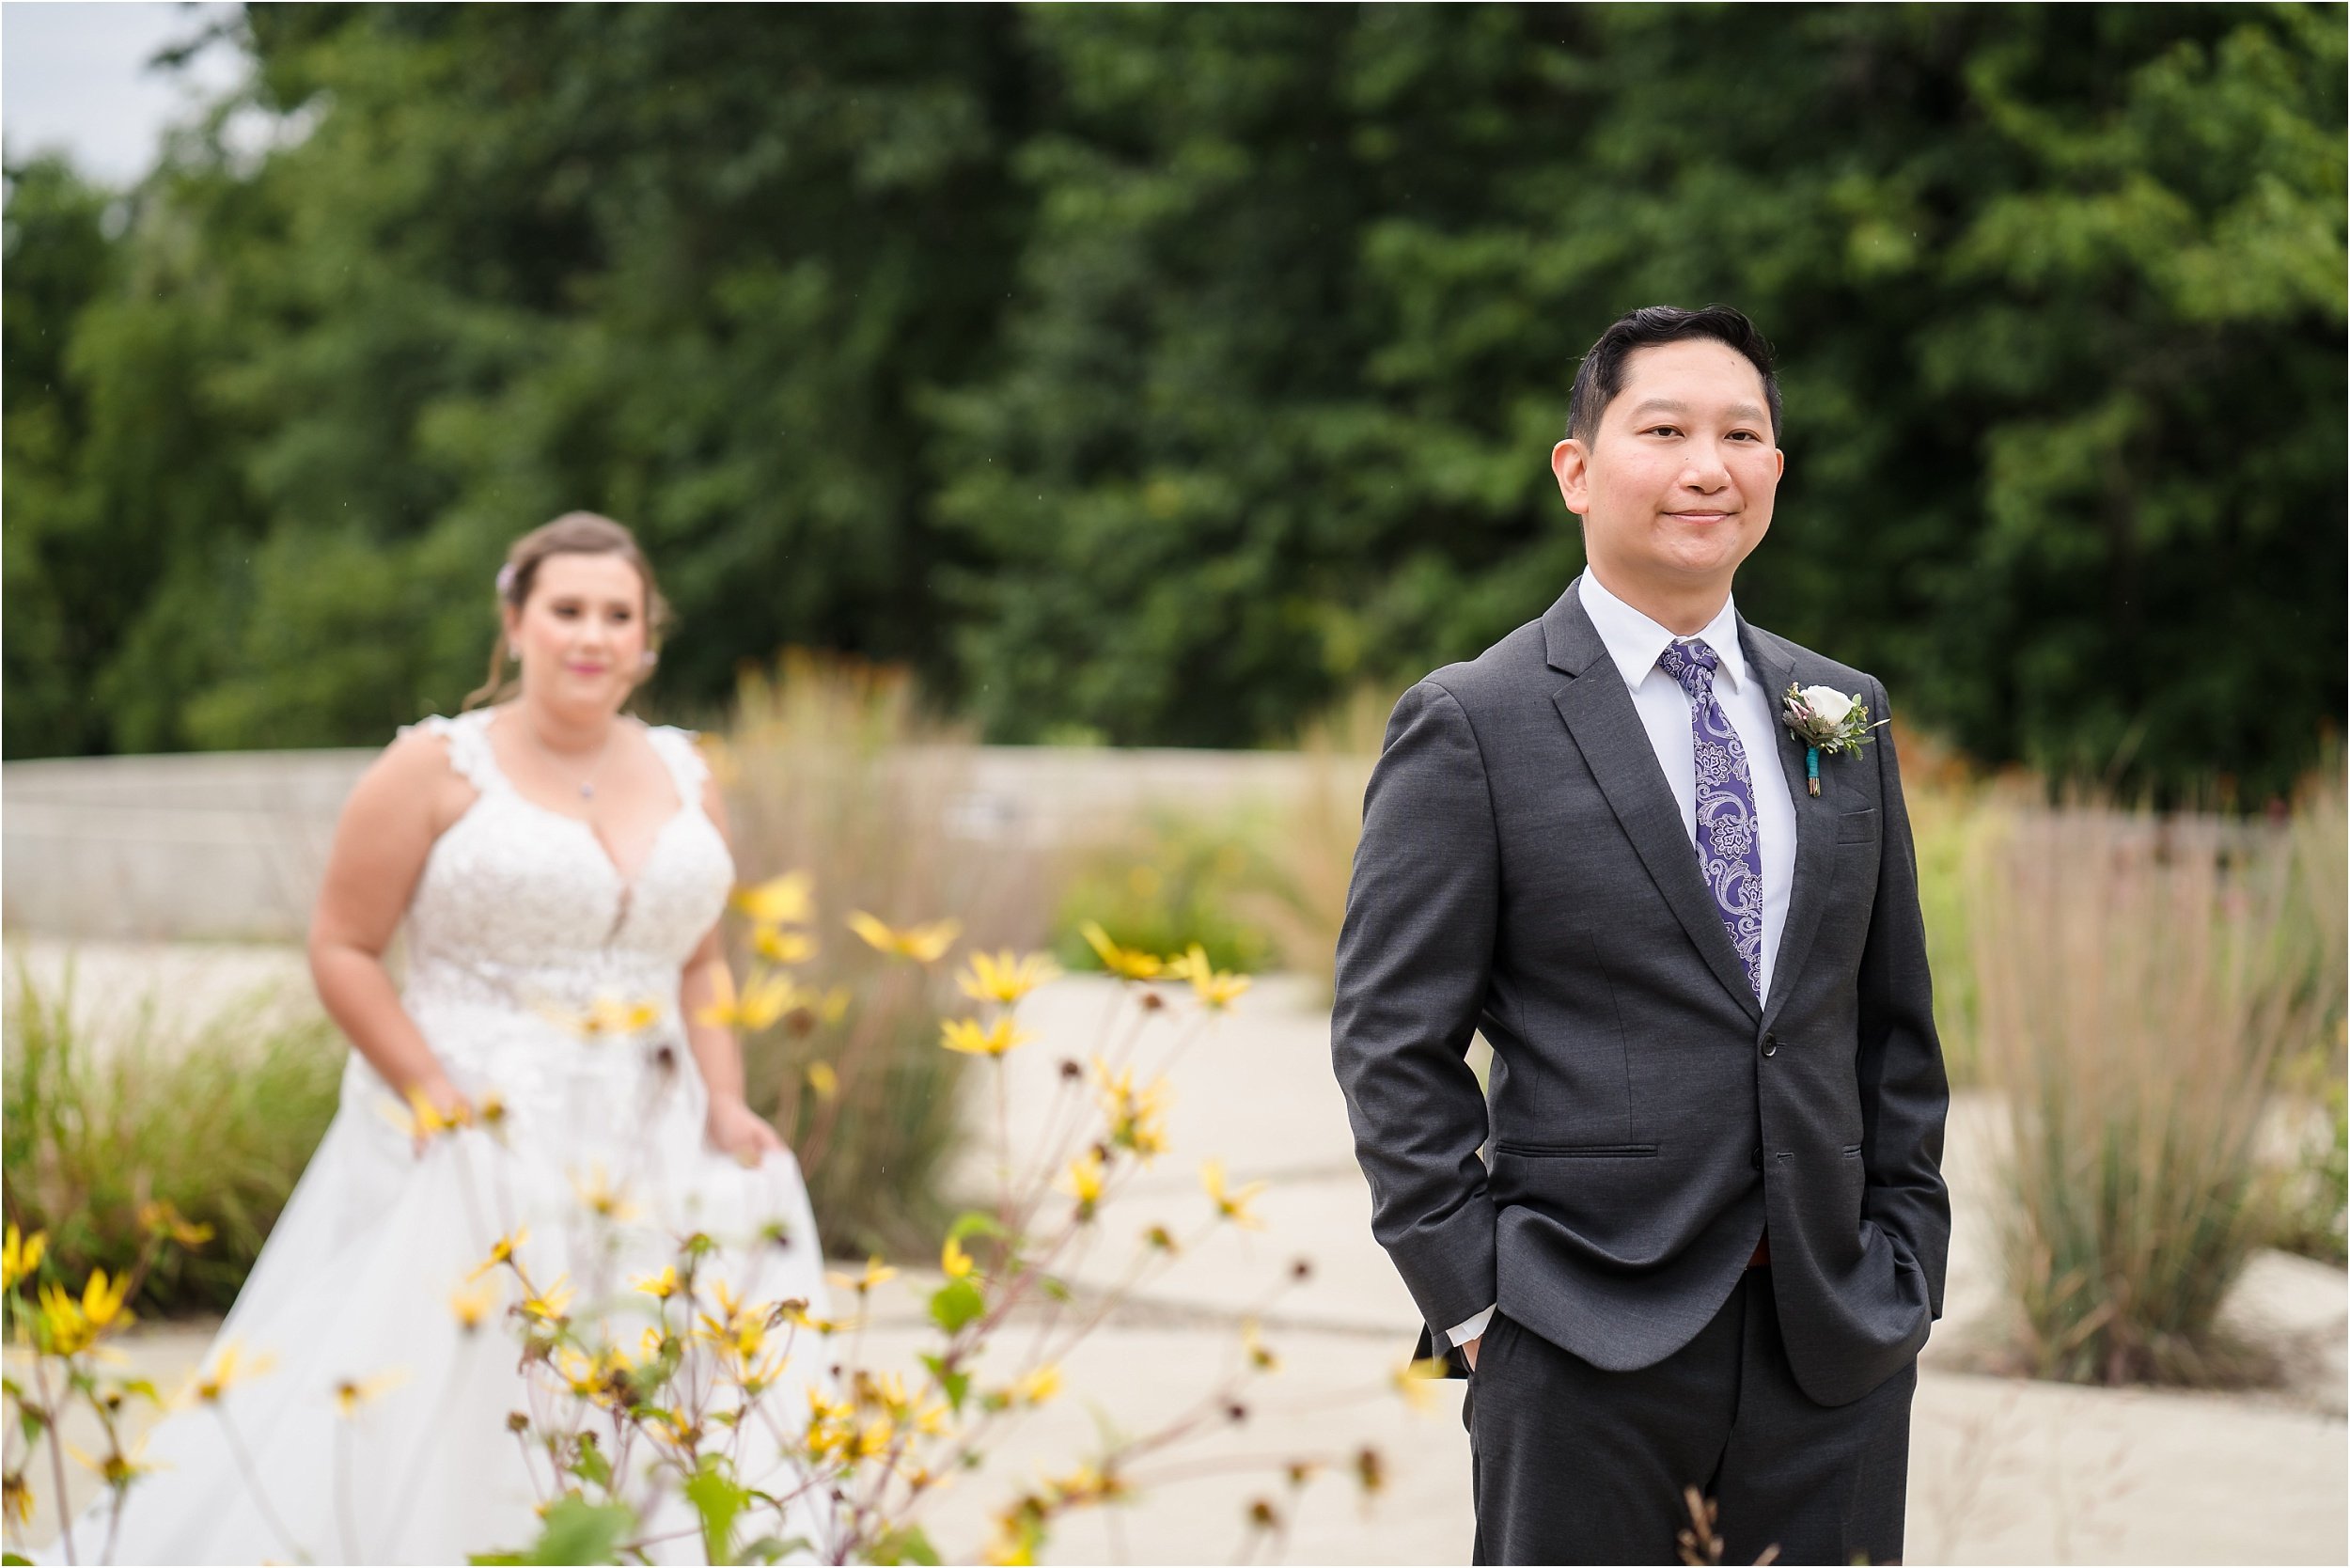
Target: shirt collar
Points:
(1634, 641)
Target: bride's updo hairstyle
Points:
(575, 533)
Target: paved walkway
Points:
(2004, 1471)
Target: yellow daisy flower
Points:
(473, 1304)
(1125, 963)
(1005, 978)
(966, 1035)
(1229, 1205)
(207, 1386)
(924, 944)
(782, 901)
(22, 1256)
(353, 1395)
(1217, 989)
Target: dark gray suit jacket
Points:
(1523, 870)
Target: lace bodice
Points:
(521, 920)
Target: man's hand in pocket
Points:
(1469, 1349)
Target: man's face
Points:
(1675, 487)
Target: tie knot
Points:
(1692, 664)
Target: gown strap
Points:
(688, 768)
(467, 737)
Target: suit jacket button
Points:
(1755, 1159)
(1770, 1045)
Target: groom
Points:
(1706, 1236)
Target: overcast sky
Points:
(74, 75)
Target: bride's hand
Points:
(739, 1132)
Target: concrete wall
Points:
(232, 845)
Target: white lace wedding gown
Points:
(519, 924)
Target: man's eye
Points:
(1663, 429)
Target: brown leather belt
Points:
(1762, 1252)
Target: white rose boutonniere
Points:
(1825, 719)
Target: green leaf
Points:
(955, 1385)
(590, 1465)
(971, 1222)
(957, 1303)
(576, 1531)
(908, 1545)
(719, 1499)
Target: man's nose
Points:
(1706, 470)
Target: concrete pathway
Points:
(2004, 1471)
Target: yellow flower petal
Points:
(1125, 963)
(779, 945)
(966, 1035)
(1005, 978)
(782, 901)
(924, 944)
(1215, 988)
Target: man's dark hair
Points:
(1601, 375)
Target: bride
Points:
(560, 869)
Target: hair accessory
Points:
(506, 580)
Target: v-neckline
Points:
(627, 879)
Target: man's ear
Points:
(1570, 465)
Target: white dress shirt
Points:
(1634, 641)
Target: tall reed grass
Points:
(830, 767)
(2136, 992)
(1311, 857)
(217, 1118)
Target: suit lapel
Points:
(1815, 821)
(1599, 712)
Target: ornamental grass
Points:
(2139, 980)
(217, 1119)
(832, 766)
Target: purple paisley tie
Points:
(1729, 841)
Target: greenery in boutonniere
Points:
(1825, 719)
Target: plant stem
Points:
(253, 1484)
(56, 1453)
(344, 1523)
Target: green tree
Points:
(691, 265)
(2057, 290)
(1166, 371)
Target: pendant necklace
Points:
(587, 784)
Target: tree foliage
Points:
(1163, 372)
